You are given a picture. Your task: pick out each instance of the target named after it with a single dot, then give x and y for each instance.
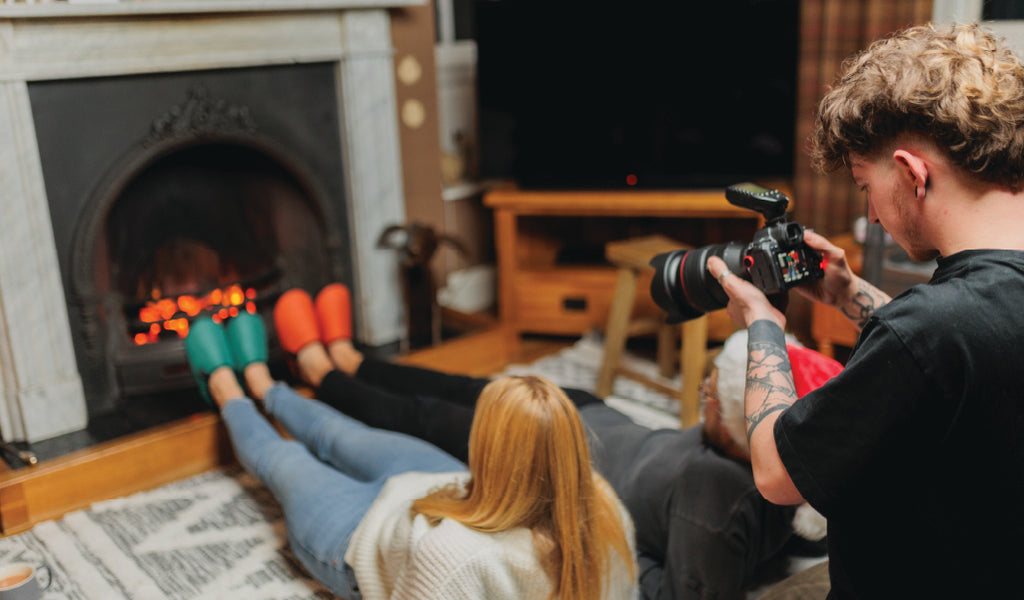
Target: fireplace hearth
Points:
(168, 159)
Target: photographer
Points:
(915, 452)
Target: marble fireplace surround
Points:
(41, 392)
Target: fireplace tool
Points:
(23, 455)
(416, 244)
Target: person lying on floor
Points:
(702, 528)
(375, 514)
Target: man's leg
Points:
(409, 380)
(437, 407)
(352, 447)
(434, 419)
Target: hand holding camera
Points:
(746, 303)
(776, 260)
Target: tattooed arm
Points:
(856, 298)
(770, 388)
(863, 302)
(770, 391)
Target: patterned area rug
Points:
(221, 534)
(216, 535)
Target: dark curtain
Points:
(832, 30)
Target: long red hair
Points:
(530, 466)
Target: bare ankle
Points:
(258, 379)
(345, 356)
(314, 363)
(224, 386)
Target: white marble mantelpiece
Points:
(86, 8)
(40, 389)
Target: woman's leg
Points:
(311, 493)
(352, 447)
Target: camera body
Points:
(776, 260)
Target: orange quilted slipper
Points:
(295, 320)
(334, 312)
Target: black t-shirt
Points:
(702, 528)
(915, 452)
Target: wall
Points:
(412, 33)
(461, 217)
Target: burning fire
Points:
(174, 314)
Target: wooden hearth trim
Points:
(116, 468)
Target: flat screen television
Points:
(646, 94)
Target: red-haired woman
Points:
(378, 514)
(702, 528)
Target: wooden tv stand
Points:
(539, 293)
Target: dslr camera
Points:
(776, 260)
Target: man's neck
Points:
(968, 218)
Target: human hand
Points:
(852, 295)
(838, 285)
(746, 303)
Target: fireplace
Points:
(165, 160)
(204, 192)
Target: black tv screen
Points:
(641, 94)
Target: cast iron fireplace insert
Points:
(181, 194)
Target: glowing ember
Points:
(174, 314)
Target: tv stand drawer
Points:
(569, 301)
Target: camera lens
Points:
(682, 286)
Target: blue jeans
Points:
(327, 477)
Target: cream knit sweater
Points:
(397, 556)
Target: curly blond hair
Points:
(960, 87)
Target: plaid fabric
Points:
(832, 30)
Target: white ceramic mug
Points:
(20, 581)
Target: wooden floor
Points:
(198, 443)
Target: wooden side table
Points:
(538, 294)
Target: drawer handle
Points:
(574, 304)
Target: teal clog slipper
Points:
(247, 336)
(207, 349)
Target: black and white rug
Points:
(216, 535)
(221, 534)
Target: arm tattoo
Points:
(770, 387)
(867, 299)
